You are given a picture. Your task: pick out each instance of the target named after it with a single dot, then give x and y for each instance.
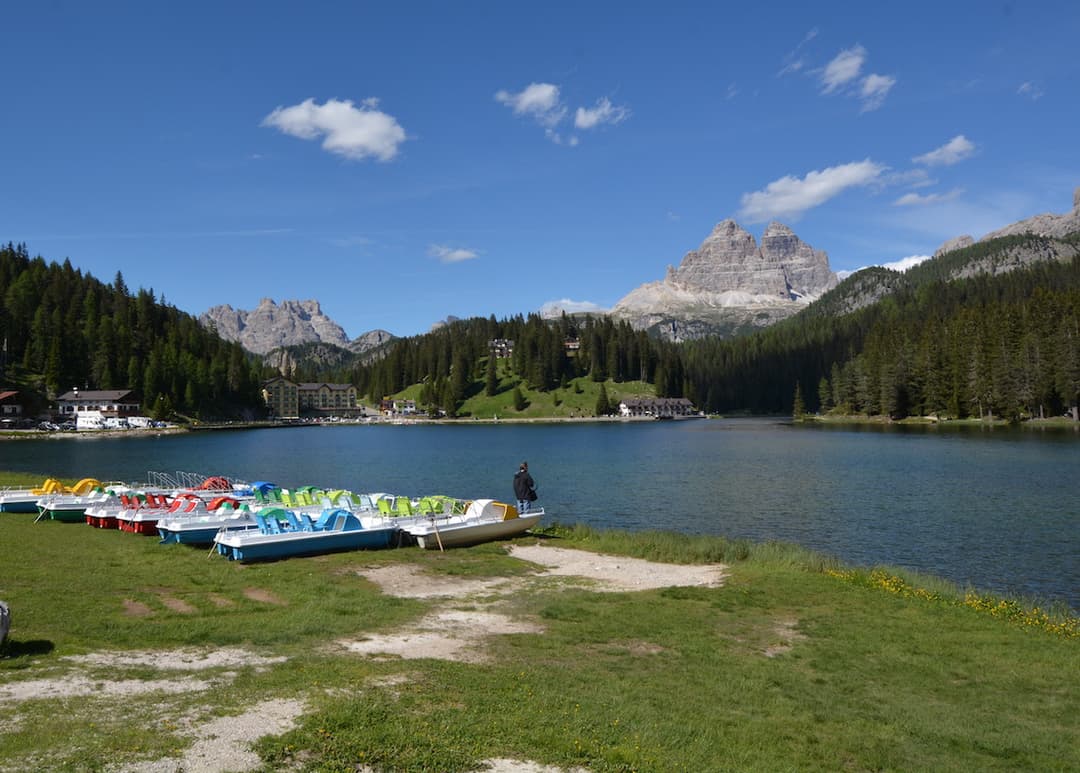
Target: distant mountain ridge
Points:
(273, 326)
(730, 285)
(1048, 224)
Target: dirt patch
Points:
(785, 631)
(408, 581)
(503, 765)
(224, 744)
(638, 647)
(618, 573)
(177, 605)
(134, 608)
(264, 596)
(76, 686)
(177, 660)
(220, 601)
(449, 634)
(458, 634)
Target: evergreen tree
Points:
(603, 407)
(491, 380)
(798, 410)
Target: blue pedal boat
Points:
(285, 533)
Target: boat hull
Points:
(460, 535)
(102, 521)
(19, 505)
(200, 533)
(64, 513)
(256, 546)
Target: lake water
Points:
(998, 509)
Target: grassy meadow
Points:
(795, 663)
(576, 400)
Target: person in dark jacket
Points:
(524, 488)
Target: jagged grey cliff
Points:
(730, 284)
(273, 326)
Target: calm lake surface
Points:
(997, 509)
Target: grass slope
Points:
(791, 665)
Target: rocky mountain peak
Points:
(959, 243)
(733, 279)
(272, 325)
(775, 229)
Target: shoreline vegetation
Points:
(854, 420)
(791, 661)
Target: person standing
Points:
(524, 488)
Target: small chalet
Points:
(108, 403)
(501, 348)
(399, 407)
(10, 407)
(657, 407)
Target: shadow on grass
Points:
(17, 649)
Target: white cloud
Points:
(1031, 90)
(538, 100)
(732, 91)
(350, 131)
(556, 308)
(912, 178)
(905, 263)
(841, 76)
(917, 200)
(447, 254)
(952, 152)
(789, 197)
(352, 241)
(543, 103)
(843, 69)
(604, 112)
(874, 90)
(901, 265)
(792, 61)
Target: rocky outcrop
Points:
(730, 284)
(273, 326)
(1044, 225)
(959, 243)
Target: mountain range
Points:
(728, 286)
(272, 326)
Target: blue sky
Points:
(402, 162)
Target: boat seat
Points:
(324, 520)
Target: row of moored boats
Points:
(260, 521)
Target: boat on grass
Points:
(484, 520)
(282, 533)
(71, 507)
(24, 500)
(200, 528)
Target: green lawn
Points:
(794, 663)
